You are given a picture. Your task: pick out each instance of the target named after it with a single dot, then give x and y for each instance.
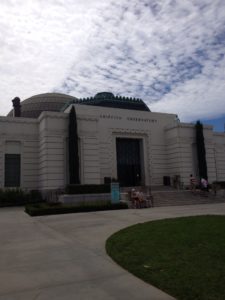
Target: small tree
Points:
(201, 154)
(73, 148)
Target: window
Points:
(12, 170)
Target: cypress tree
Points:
(73, 148)
(200, 143)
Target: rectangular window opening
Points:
(12, 170)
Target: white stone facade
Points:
(167, 146)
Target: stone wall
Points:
(20, 136)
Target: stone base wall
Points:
(84, 199)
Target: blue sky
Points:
(170, 53)
(218, 124)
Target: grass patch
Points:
(42, 209)
(184, 257)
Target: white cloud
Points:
(201, 97)
(170, 53)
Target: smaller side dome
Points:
(106, 99)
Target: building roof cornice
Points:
(186, 125)
(18, 120)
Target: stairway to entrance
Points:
(167, 196)
(172, 198)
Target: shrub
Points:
(87, 188)
(41, 209)
(201, 154)
(16, 197)
(73, 148)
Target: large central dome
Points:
(35, 105)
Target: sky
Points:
(170, 53)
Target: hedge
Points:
(17, 197)
(43, 209)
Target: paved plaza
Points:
(63, 257)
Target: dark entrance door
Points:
(128, 161)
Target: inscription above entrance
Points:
(134, 119)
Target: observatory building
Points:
(118, 137)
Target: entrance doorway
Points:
(129, 169)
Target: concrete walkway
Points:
(63, 257)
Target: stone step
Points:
(172, 198)
(167, 196)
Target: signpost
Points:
(115, 192)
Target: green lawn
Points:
(184, 257)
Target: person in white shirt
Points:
(204, 184)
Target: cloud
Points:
(170, 53)
(201, 98)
